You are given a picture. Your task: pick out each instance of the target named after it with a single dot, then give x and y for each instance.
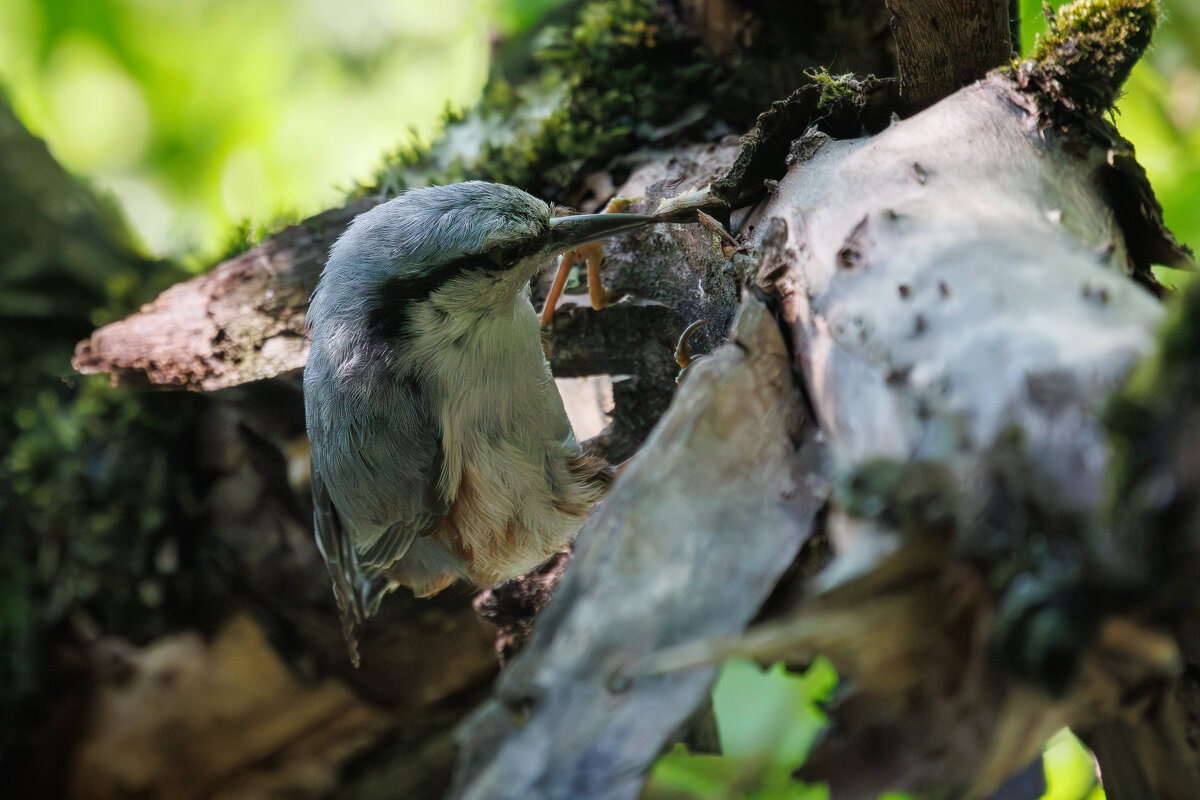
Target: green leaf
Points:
(767, 722)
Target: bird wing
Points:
(376, 458)
(351, 587)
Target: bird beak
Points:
(567, 233)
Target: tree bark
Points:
(945, 44)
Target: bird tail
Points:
(357, 594)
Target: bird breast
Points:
(509, 455)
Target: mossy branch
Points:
(1078, 68)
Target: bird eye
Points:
(509, 256)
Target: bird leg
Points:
(601, 297)
(556, 289)
(686, 207)
(593, 255)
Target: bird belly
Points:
(518, 483)
(501, 526)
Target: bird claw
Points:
(686, 207)
(683, 350)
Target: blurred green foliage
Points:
(212, 114)
(85, 470)
(1070, 771)
(1160, 109)
(767, 722)
(605, 80)
(202, 113)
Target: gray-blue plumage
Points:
(440, 447)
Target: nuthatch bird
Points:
(440, 446)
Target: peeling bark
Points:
(242, 322)
(698, 528)
(959, 294)
(961, 299)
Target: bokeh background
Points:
(204, 118)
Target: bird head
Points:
(501, 229)
(428, 236)
(504, 224)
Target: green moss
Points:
(1157, 408)
(1078, 68)
(618, 77)
(91, 489)
(1157, 391)
(833, 87)
(85, 489)
(1154, 474)
(250, 233)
